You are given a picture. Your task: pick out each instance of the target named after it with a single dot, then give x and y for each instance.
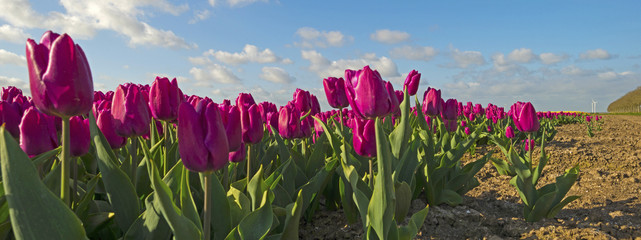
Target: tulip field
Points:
(150, 162)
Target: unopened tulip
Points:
(432, 102)
(10, 117)
(411, 82)
(272, 121)
(265, 108)
(525, 118)
(306, 126)
(335, 92)
(202, 142)
(164, 99)
(251, 124)
(59, 76)
(314, 104)
(364, 138)
(509, 133)
(231, 120)
(467, 131)
(239, 155)
(395, 110)
(37, 132)
(367, 94)
(244, 101)
(105, 122)
(302, 100)
(80, 136)
(449, 111)
(130, 111)
(289, 122)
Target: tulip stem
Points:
(226, 177)
(75, 180)
(207, 206)
(134, 159)
(167, 146)
(531, 147)
(340, 115)
(371, 175)
(249, 165)
(66, 159)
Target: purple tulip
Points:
(335, 92)
(529, 143)
(467, 131)
(509, 133)
(10, 117)
(524, 117)
(366, 93)
(272, 121)
(364, 138)
(289, 122)
(202, 142)
(399, 95)
(37, 132)
(80, 136)
(302, 100)
(59, 76)
(449, 111)
(9, 93)
(463, 124)
(244, 101)
(130, 111)
(231, 120)
(411, 82)
(239, 155)
(314, 104)
(265, 108)
(164, 99)
(251, 124)
(432, 102)
(105, 122)
(395, 110)
(489, 128)
(306, 126)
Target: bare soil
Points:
(609, 185)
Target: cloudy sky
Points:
(557, 54)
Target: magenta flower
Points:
(395, 110)
(509, 133)
(289, 122)
(251, 124)
(105, 122)
(59, 76)
(230, 116)
(10, 117)
(164, 99)
(239, 155)
(467, 131)
(524, 117)
(130, 111)
(37, 132)
(302, 100)
(202, 141)
(335, 92)
(450, 111)
(364, 138)
(314, 104)
(80, 136)
(366, 93)
(432, 102)
(411, 82)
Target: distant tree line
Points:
(630, 102)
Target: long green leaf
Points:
(36, 213)
(402, 132)
(256, 225)
(383, 202)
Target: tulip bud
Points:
(164, 99)
(272, 121)
(231, 121)
(525, 118)
(244, 101)
(463, 124)
(306, 126)
(395, 110)
(302, 100)
(366, 93)
(364, 137)
(10, 117)
(289, 122)
(509, 133)
(411, 82)
(432, 102)
(130, 111)
(467, 131)
(80, 136)
(59, 76)
(251, 124)
(37, 132)
(202, 142)
(265, 108)
(314, 104)
(105, 122)
(335, 92)
(239, 155)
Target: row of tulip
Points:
(143, 156)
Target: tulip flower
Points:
(164, 99)
(202, 141)
(314, 104)
(509, 133)
(59, 76)
(432, 102)
(306, 126)
(9, 93)
(335, 92)
(411, 82)
(272, 121)
(525, 118)
(529, 145)
(80, 136)
(231, 121)
(10, 117)
(463, 124)
(366, 93)
(395, 110)
(37, 132)
(105, 122)
(244, 101)
(364, 137)
(449, 111)
(238, 155)
(289, 122)
(302, 100)
(130, 111)
(265, 108)
(467, 131)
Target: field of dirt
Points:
(609, 185)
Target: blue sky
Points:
(557, 54)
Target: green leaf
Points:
(560, 205)
(294, 211)
(403, 200)
(256, 188)
(120, 190)
(256, 225)
(36, 213)
(450, 197)
(416, 222)
(382, 205)
(221, 209)
(187, 204)
(150, 225)
(401, 134)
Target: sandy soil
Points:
(609, 185)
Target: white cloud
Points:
(326, 68)
(212, 3)
(521, 55)
(242, 3)
(213, 73)
(413, 53)
(572, 70)
(13, 34)
(250, 53)
(276, 75)
(19, 83)
(465, 59)
(83, 19)
(551, 58)
(7, 57)
(389, 36)
(200, 15)
(596, 54)
(311, 38)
